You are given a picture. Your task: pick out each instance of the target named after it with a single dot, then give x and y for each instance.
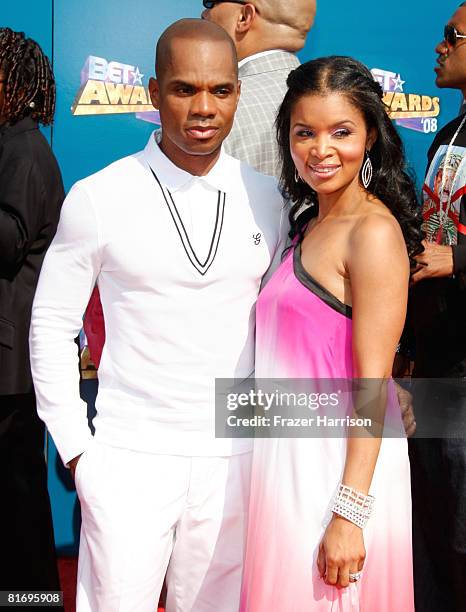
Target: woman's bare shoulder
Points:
(377, 223)
(377, 235)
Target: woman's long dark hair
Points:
(390, 183)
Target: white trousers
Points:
(144, 515)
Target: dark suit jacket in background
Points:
(31, 195)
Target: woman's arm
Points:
(378, 267)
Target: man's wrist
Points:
(448, 265)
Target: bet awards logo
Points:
(112, 87)
(409, 110)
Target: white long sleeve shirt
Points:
(179, 261)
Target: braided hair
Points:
(29, 81)
(391, 182)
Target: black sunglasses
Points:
(451, 35)
(208, 4)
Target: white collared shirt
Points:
(178, 260)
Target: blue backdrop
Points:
(119, 38)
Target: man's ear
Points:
(239, 94)
(154, 92)
(245, 18)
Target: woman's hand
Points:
(341, 552)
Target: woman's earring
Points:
(297, 178)
(366, 171)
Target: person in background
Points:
(31, 195)
(267, 34)
(179, 274)
(437, 315)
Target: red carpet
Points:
(67, 567)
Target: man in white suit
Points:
(267, 34)
(178, 238)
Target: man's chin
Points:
(202, 147)
(441, 81)
(177, 148)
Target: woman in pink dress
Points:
(330, 517)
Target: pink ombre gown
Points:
(305, 332)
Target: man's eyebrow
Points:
(227, 85)
(181, 83)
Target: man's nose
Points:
(441, 48)
(203, 104)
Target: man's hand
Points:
(73, 463)
(405, 400)
(435, 261)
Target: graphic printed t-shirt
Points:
(438, 306)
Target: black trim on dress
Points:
(310, 283)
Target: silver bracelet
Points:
(353, 505)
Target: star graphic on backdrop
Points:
(137, 76)
(398, 83)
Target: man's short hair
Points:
(190, 29)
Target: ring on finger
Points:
(355, 576)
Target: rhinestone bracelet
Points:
(353, 505)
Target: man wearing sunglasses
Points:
(437, 310)
(267, 34)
